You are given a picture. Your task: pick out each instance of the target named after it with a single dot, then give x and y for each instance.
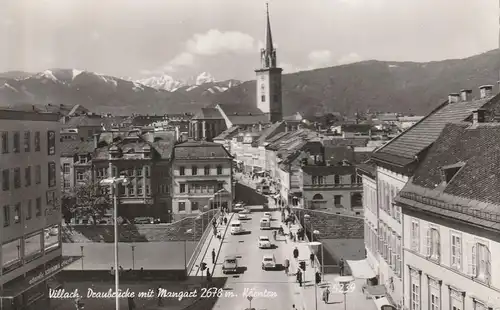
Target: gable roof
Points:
(208, 113)
(403, 149)
(239, 114)
(71, 148)
(228, 133)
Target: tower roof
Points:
(269, 37)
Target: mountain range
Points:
(407, 87)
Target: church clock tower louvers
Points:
(269, 80)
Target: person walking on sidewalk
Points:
(213, 256)
(287, 266)
(296, 253)
(209, 276)
(326, 295)
(225, 220)
(299, 277)
(341, 267)
(311, 257)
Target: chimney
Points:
(453, 98)
(466, 94)
(478, 116)
(485, 91)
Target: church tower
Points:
(268, 81)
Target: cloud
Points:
(320, 58)
(216, 42)
(349, 58)
(183, 59)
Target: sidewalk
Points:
(206, 251)
(305, 295)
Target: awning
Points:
(361, 269)
(381, 302)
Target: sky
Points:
(182, 38)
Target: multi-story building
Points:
(201, 177)
(333, 188)
(145, 159)
(31, 213)
(76, 163)
(451, 211)
(396, 162)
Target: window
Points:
(433, 244)
(17, 213)
(337, 179)
(314, 179)
(219, 170)
(139, 189)
(17, 177)
(138, 171)
(6, 179)
(27, 141)
(337, 200)
(38, 174)
(11, 255)
(194, 170)
(17, 143)
(27, 176)
(80, 175)
(182, 170)
(415, 236)
(6, 216)
(51, 142)
(353, 178)
(398, 256)
(219, 186)
(359, 179)
(66, 168)
(52, 237)
(182, 188)
(82, 159)
(456, 251)
(434, 301)
(29, 211)
(321, 179)
(479, 305)
(206, 170)
(480, 262)
(146, 171)
(263, 98)
(182, 206)
(37, 141)
(130, 189)
(38, 207)
(5, 142)
(51, 174)
(456, 299)
(194, 206)
(148, 190)
(415, 296)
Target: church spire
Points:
(268, 53)
(269, 36)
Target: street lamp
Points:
(189, 231)
(113, 183)
(308, 217)
(344, 282)
(81, 250)
(133, 256)
(317, 233)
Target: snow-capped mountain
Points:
(163, 82)
(204, 78)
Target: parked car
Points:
(230, 264)
(264, 242)
(268, 262)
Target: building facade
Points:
(76, 163)
(206, 124)
(201, 178)
(31, 210)
(452, 219)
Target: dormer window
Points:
(449, 171)
(83, 159)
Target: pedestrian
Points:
(213, 256)
(296, 253)
(293, 307)
(225, 220)
(299, 277)
(160, 299)
(311, 257)
(287, 265)
(341, 266)
(209, 276)
(274, 235)
(326, 295)
(215, 231)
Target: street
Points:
(279, 286)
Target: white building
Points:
(452, 219)
(396, 161)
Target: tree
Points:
(88, 200)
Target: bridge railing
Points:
(211, 214)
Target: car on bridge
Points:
(268, 215)
(265, 223)
(268, 262)
(236, 228)
(264, 242)
(243, 216)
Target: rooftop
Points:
(228, 133)
(208, 113)
(403, 149)
(71, 148)
(199, 150)
(328, 170)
